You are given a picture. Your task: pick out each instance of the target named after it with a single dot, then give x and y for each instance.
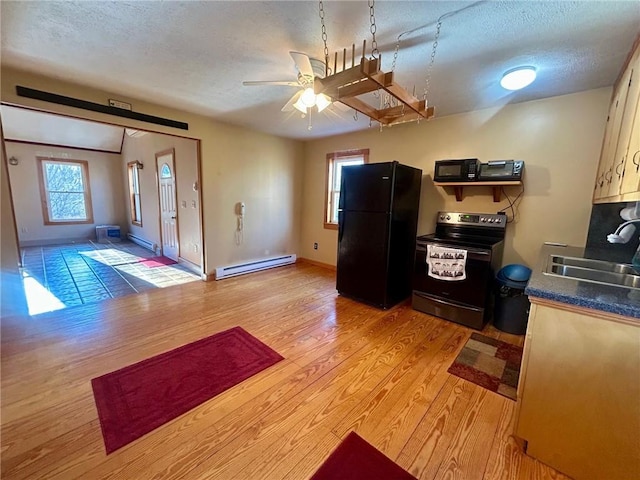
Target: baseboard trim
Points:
(190, 265)
(210, 277)
(55, 241)
(328, 266)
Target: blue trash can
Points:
(511, 311)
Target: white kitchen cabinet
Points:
(579, 391)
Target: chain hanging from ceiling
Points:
(375, 53)
(324, 38)
(434, 47)
(396, 105)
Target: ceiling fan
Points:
(305, 98)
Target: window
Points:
(165, 171)
(335, 162)
(65, 192)
(134, 192)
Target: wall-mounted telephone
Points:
(240, 211)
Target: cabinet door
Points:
(631, 175)
(631, 179)
(608, 159)
(578, 404)
(605, 167)
(628, 118)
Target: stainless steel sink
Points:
(594, 271)
(593, 264)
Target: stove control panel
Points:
(473, 219)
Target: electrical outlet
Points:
(315, 245)
(24, 230)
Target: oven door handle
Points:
(446, 302)
(472, 254)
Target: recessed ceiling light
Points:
(518, 78)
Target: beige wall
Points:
(237, 164)
(144, 149)
(107, 194)
(558, 138)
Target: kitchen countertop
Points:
(619, 300)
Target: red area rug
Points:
(157, 262)
(355, 459)
(139, 398)
(490, 363)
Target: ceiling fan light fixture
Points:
(300, 106)
(308, 97)
(518, 78)
(322, 102)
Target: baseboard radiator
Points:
(142, 242)
(254, 266)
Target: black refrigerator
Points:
(377, 226)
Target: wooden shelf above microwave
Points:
(458, 187)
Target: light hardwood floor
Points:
(347, 367)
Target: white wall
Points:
(558, 138)
(107, 194)
(144, 149)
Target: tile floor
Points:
(60, 276)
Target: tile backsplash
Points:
(605, 218)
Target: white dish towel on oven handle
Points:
(446, 263)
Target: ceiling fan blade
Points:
(288, 83)
(303, 64)
(288, 107)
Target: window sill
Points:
(67, 222)
(331, 226)
(137, 224)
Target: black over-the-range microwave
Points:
(459, 170)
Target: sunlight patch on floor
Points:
(111, 256)
(39, 299)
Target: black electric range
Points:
(465, 296)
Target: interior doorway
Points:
(109, 151)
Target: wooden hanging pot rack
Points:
(348, 84)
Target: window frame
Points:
(133, 168)
(332, 159)
(44, 191)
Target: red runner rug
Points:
(355, 459)
(490, 363)
(139, 398)
(157, 262)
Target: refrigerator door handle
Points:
(340, 227)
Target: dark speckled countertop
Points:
(620, 300)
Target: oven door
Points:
(473, 291)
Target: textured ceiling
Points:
(195, 55)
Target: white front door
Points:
(168, 211)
